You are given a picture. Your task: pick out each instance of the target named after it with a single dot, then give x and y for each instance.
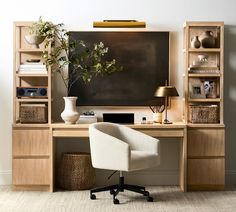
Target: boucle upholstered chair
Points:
(117, 147)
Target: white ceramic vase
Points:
(70, 115)
(157, 118)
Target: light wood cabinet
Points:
(31, 146)
(31, 158)
(203, 77)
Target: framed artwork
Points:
(210, 88)
(197, 90)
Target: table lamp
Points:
(166, 91)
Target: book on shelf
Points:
(32, 68)
(87, 119)
(203, 70)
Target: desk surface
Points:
(155, 130)
(136, 125)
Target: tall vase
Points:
(70, 114)
(195, 42)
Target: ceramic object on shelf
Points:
(157, 117)
(34, 40)
(195, 42)
(70, 115)
(207, 39)
(202, 57)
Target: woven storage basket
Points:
(33, 113)
(203, 114)
(76, 171)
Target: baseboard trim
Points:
(6, 177)
(230, 177)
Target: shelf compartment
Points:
(204, 113)
(204, 87)
(204, 61)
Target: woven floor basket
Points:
(76, 171)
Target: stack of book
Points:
(87, 119)
(32, 68)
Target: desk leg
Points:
(52, 157)
(183, 162)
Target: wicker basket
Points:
(76, 171)
(33, 113)
(203, 114)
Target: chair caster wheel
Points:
(92, 196)
(112, 191)
(116, 201)
(149, 199)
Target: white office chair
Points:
(117, 147)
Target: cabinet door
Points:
(206, 173)
(31, 171)
(206, 142)
(31, 142)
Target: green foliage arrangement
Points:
(87, 62)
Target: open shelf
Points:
(32, 75)
(32, 100)
(204, 75)
(204, 50)
(31, 50)
(204, 100)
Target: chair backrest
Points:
(104, 138)
(108, 128)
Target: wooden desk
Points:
(175, 130)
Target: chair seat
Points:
(143, 160)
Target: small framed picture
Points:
(210, 88)
(197, 91)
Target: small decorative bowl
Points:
(202, 57)
(34, 40)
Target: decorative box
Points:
(33, 113)
(203, 114)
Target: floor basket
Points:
(76, 171)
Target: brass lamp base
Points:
(167, 122)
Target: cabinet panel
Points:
(31, 142)
(31, 171)
(206, 142)
(206, 172)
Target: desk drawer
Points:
(31, 141)
(206, 173)
(31, 171)
(206, 142)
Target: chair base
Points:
(115, 189)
